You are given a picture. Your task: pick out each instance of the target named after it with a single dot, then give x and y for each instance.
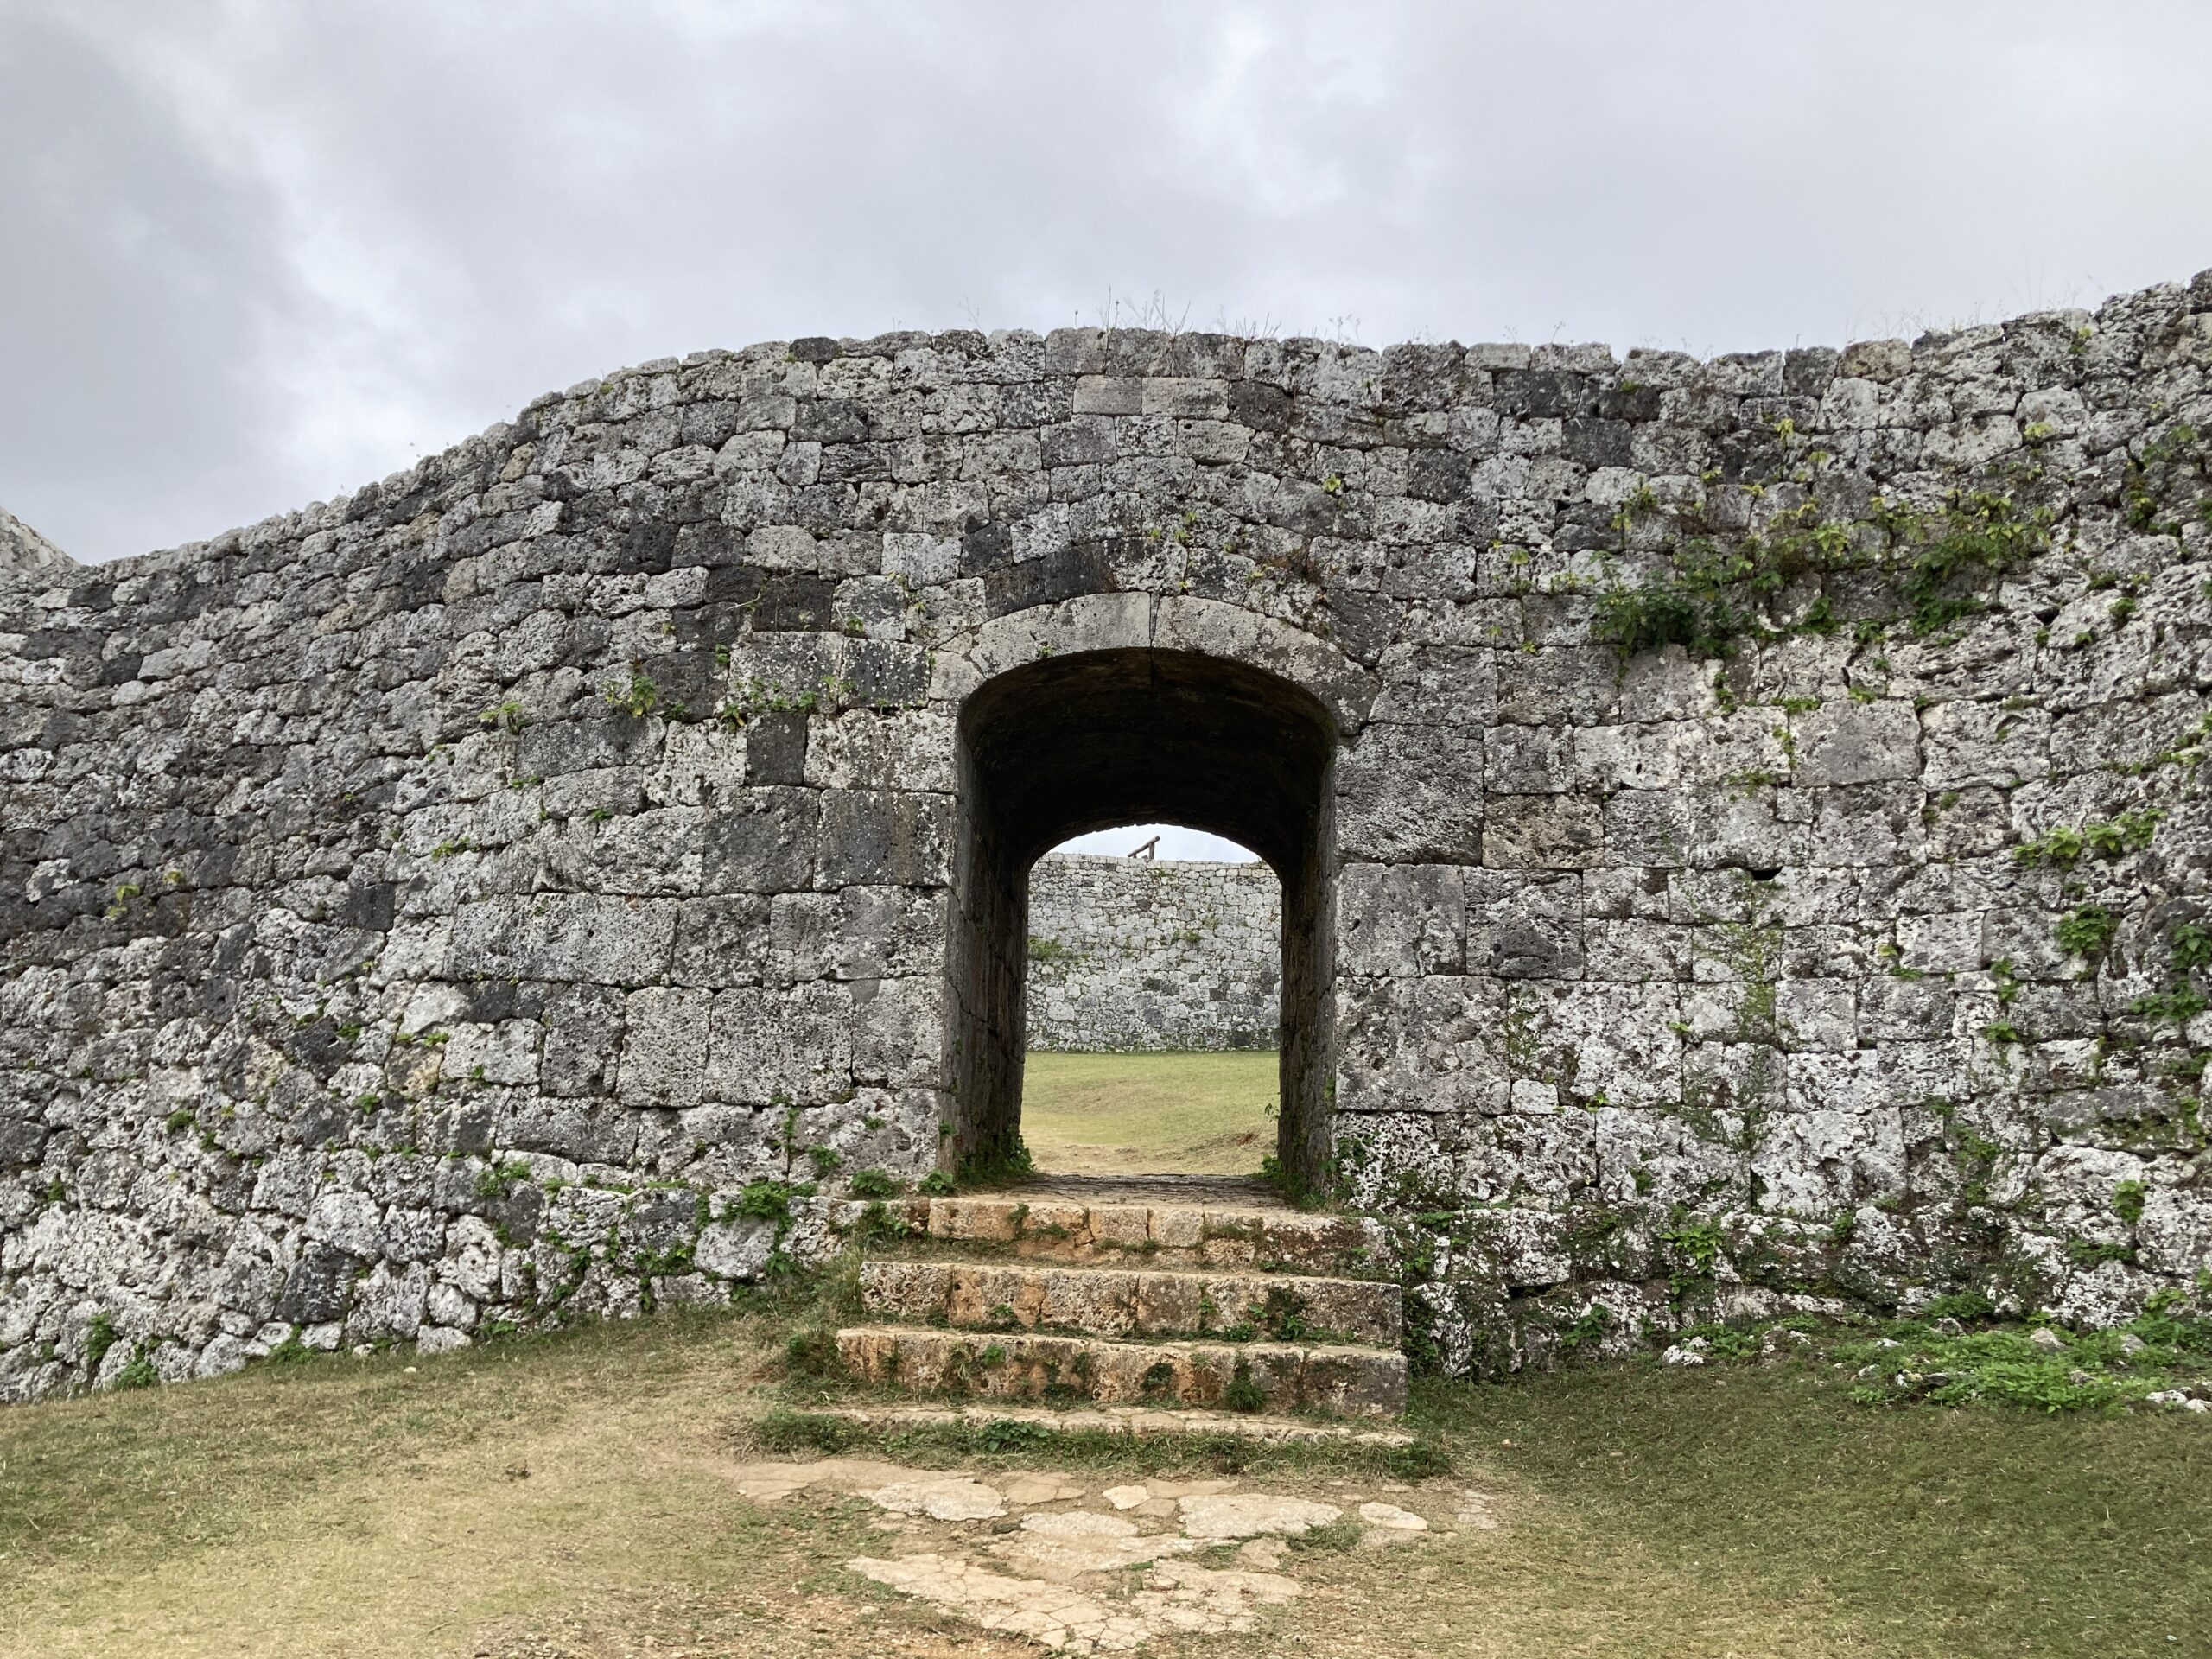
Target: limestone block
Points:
(389, 1302)
(769, 1047)
(1439, 685)
(471, 1259)
(665, 1048)
(1596, 1041)
(1818, 1013)
(501, 1054)
(1093, 622)
(1814, 1164)
(1542, 1155)
(1564, 685)
(874, 837)
(1524, 925)
(803, 933)
(921, 559)
(860, 749)
(729, 940)
(1871, 824)
(351, 1221)
(1402, 921)
(763, 841)
(1849, 742)
(2081, 1183)
(1532, 760)
(2175, 1234)
(1892, 1009)
(1674, 1162)
(1949, 943)
(411, 1234)
(590, 937)
(583, 1035)
(886, 932)
(1545, 832)
(1971, 743)
(1701, 827)
(585, 1131)
(1634, 950)
(898, 1031)
(1407, 794)
(1649, 756)
(1872, 1079)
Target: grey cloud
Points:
(265, 252)
(139, 278)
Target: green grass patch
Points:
(1981, 1532)
(1149, 1114)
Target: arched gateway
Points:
(1093, 738)
(1739, 821)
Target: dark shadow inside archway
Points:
(1070, 744)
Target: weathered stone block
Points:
(665, 1051)
(776, 1048)
(763, 842)
(1400, 922)
(876, 837)
(1407, 794)
(594, 938)
(1848, 742)
(1543, 832)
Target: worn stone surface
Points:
(423, 914)
(1085, 1571)
(1131, 954)
(1233, 1516)
(1124, 1302)
(1139, 1422)
(1337, 1380)
(957, 1309)
(27, 559)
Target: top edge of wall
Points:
(1127, 352)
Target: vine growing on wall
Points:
(1734, 564)
(1723, 585)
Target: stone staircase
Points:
(1160, 1292)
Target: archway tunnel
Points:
(1091, 740)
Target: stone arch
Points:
(1068, 742)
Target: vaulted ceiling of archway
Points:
(1086, 741)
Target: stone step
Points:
(1277, 1377)
(1137, 1422)
(1131, 1302)
(1166, 1233)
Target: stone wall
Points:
(27, 559)
(1128, 954)
(1762, 862)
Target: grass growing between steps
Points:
(570, 1495)
(1149, 1114)
(1008, 1443)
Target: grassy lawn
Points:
(570, 1495)
(1149, 1114)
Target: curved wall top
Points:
(430, 908)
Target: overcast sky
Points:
(257, 254)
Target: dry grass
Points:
(567, 1497)
(1149, 1114)
(551, 1497)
